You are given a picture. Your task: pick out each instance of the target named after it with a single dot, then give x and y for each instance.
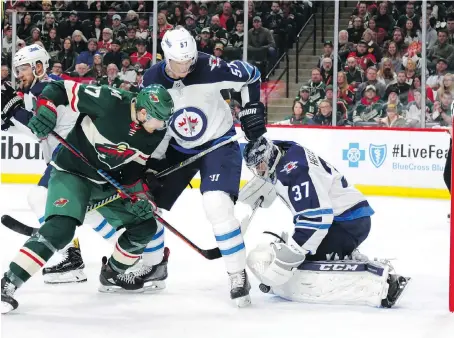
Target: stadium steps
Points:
(278, 105)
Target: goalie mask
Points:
(261, 157)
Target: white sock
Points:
(153, 253)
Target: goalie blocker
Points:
(331, 219)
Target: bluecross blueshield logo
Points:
(353, 155)
(377, 154)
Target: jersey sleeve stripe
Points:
(72, 88)
(322, 226)
(315, 213)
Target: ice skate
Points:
(239, 288)
(397, 285)
(70, 268)
(112, 281)
(154, 276)
(8, 302)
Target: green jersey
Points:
(309, 107)
(104, 132)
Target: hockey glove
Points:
(256, 188)
(141, 203)
(45, 119)
(286, 255)
(10, 102)
(252, 119)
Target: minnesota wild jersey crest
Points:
(114, 155)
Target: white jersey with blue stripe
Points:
(66, 119)
(316, 193)
(201, 114)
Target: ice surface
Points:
(196, 302)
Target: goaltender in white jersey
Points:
(318, 262)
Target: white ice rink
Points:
(196, 302)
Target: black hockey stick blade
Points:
(19, 227)
(209, 254)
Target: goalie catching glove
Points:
(275, 260)
(141, 202)
(256, 188)
(252, 119)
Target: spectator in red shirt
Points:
(105, 43)
(227, 21)
(163, 25)
(345, 90)
(363, 58)
(141, 57)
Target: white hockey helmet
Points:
(179, 45)
(31, 55)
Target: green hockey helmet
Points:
(157, 102)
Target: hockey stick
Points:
(17, 226)
(247, 220)
(194, 158)
(208, 254)
(23, 229)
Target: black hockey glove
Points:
(252, 119)
(152, 181)
(10, 101)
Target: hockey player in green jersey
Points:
(117, 131)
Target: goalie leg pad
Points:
(338, 282)
(219, 211)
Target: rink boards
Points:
(387, 162)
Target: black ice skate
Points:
(8, 302)
(70, 268)
(112, 281)
(239, 288)
(154, 276)
(397, 285)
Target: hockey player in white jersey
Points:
(202, 118)
(29, 66)
(318, 262)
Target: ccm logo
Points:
(338, 267)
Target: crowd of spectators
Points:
(110, 42)
(380, 66)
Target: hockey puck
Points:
(264, 288)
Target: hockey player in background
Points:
(120, 146)
(29, 67)
(318, 262)
(202, 118)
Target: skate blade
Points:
(6, 307)
(244, 301)
(117, 289)
(74, 276)
(154, 286)
(403, 291)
